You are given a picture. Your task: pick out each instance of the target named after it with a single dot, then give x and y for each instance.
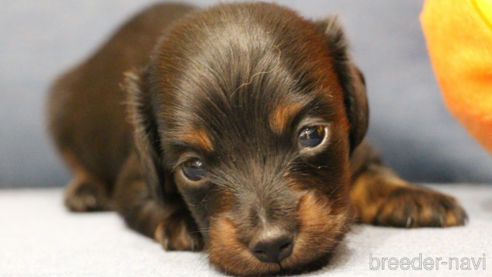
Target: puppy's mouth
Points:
(322, 227)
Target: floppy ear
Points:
(350, 78)
(146, 138)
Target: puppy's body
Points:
(87, 113)
(211, 149)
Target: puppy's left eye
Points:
(311, 136)
(194, 170)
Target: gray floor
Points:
(410, 125)
(42, 239)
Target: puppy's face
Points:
(248, 110)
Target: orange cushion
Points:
(459, 40)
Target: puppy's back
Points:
(86, 113)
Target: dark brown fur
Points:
(231, 86)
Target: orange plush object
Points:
(459, 39)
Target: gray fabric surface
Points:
(409, 124)
(38, 237)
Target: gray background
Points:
(409, 123)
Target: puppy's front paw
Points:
(179, 232)
(411, 207)
(86, 197)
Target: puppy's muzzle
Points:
(272, 245)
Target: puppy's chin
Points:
(322, 227)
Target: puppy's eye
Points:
(311, 136)
(194, 170)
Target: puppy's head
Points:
(250, 113)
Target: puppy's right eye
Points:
(194, 170)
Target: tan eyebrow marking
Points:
(199, 138)
(283, 115)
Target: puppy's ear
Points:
(350, 78)
(146, 138)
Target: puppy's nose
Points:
(272, 246)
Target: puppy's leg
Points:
(381, 197)
(170, 223)
(84, 193)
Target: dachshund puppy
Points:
(237, 129)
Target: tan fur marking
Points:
(451, 220)
(370, 190)
(320, 232)
(199, 138)
(282, 116)
(318, 220)
(94, 197)
(367, 208)
(159, 233)
(229, 254)
(383, 198)
(79, 172)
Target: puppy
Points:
(237, 129)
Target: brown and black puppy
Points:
(241, 132)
